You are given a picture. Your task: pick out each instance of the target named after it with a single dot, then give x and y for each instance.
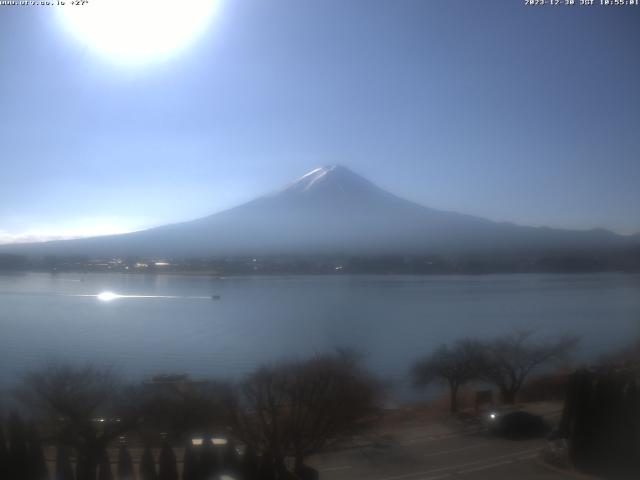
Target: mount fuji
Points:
(332, 210)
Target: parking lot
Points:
(435, 451)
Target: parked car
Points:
(510, 422)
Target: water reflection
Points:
(109, 296)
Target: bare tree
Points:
(300, 408)
(258, 412)
(330, 398)
(84, 407)
(509, 359)
(455, 366)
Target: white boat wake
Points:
(109, 296)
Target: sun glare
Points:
(107, 296)
(137, 31)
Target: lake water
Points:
(171, 324)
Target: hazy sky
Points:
(527, 114)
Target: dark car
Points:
(517, 424)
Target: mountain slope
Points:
(331, 210)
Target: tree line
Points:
(505, 361)
(281, 414)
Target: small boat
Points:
(215, 297)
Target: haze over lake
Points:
(170, 323)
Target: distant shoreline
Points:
(339, 263)
(220, 276)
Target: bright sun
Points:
(137, 31)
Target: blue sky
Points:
(491, 108)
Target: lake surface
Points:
(170, 323)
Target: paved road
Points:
(425, 457)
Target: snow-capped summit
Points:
(331, 179)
